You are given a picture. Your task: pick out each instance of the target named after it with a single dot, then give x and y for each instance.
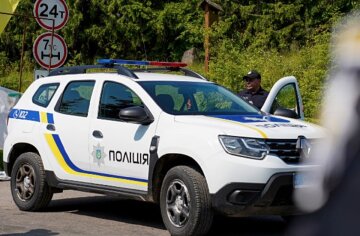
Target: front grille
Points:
(285, 149)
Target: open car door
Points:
(284, 99)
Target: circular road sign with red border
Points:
(44, 46)
(47, 10)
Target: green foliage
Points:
(132, 29)
(12, 80)
(286, 98)
(308, 65)
(276, 37)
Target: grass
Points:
(12, 80)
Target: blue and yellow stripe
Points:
(58, 149)
(46, 118)
(22, 114)
(69, 167)
(235, 120)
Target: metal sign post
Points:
(44, 46)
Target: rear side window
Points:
(44, 94)
(76, 98)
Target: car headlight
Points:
(245, 147)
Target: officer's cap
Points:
(253, 74)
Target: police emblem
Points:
(98, 154)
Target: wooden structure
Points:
(211, 15)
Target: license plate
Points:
(301, 180)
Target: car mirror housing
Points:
(286, 113)
(135, 114)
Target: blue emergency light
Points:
(139, 63)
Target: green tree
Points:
(277, 37)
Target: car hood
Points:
(256, 126)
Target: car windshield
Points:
(196, 98)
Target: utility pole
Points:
(211, 15)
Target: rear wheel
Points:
(185, 202)
(28, 187)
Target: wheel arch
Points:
(163, 165)
(16, 151)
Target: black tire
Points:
(185, 202)
(28, 186)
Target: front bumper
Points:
(245, 199)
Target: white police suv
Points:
(178, 140)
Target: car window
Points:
(185, 98)
(286, 98)
(44, 94)
(76, 98)
(114, 97)
(166, 93)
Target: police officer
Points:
(254, 93)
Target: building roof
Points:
(212, 5)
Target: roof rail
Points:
(167, 66)
(186, 72)
(117, 65)
(82, 69)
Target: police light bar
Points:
(140, 63)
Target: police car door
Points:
(119, 149)
(68, 132)
(284, 99)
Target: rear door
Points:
(67, 132)
(285, 94)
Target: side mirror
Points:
(135, 114)
(286, 113)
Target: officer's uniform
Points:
(257, 99)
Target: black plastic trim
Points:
(55, 182)
(153, 160)
(259, 200)
(6, 168)
(243, 197)
(273, 186)
(121, 70)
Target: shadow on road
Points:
(246, 226)
(111, 208)
(34, 232)
(148, 214)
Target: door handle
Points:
(50, 127)
(97, 134)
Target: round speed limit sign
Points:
(47, 12)
(46, 47)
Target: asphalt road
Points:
(78, 213)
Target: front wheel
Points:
(28, 187)
(185, 202)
